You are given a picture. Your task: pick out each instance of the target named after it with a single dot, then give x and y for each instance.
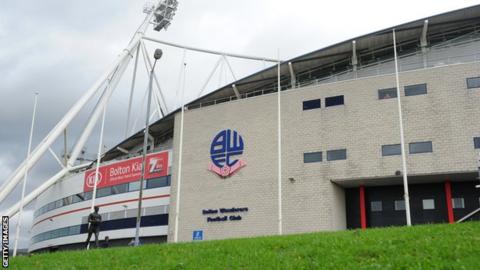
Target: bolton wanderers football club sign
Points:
(226, 146)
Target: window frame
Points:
(385, 90)
(476, 142)
(414, 91)
(475, 85)
(417, 143)
(329, 100)
(313, 104)
(329, 152)
(390, 154)
(313, 153)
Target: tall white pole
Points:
(402, 138)
(132, 88)
(97, 169)
(24, 184)
(180, 150)
(280, 227)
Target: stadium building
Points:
(213, 170)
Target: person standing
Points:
(94, 220)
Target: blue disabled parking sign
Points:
(197, 235)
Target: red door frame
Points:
(363, 212)
(448, 197)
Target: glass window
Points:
(311, 104)
(458, 203)
(67, 200)
(476, 142)
(77, 198)
(169, 180)
(51, 206)
(58, 203)
(340, 154)
(428, 204)
(399, 205)
(102, 192)
(87, 195)
(473, 82)
(120, 189)
(417, 89)
(334, 101)
(312, 157)
(133, 186)
(391, 150)
(376, 206)
(420, 147)
(157, 182)
(387, 93)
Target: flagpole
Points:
(180, 150)
(279, 123)
(24, 184)
(402, 138)
(97, 169)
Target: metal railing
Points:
(447, 53)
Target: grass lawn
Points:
(455, 246)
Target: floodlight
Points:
(163, 15)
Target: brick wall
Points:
(446, 115)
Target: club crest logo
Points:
(226, 146)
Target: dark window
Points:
(120, 189)
(133, 186)
(476, 142)
(78, 198)
(67, 200)
(340, 154)
(387, 93)
(103, 192)
(473, 82)
(417, 89)
(311, 104)
(51, 206)
(312, 157)
(157, 182)
(87, 195)
(420, 147)
(58, 203)
(333, 101)
(391, 150)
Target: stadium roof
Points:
(370, 48)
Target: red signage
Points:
(127, 171)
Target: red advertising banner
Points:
(127, 171)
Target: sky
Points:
(59, 48)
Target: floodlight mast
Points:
(162, 14)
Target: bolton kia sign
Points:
(126, 171)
